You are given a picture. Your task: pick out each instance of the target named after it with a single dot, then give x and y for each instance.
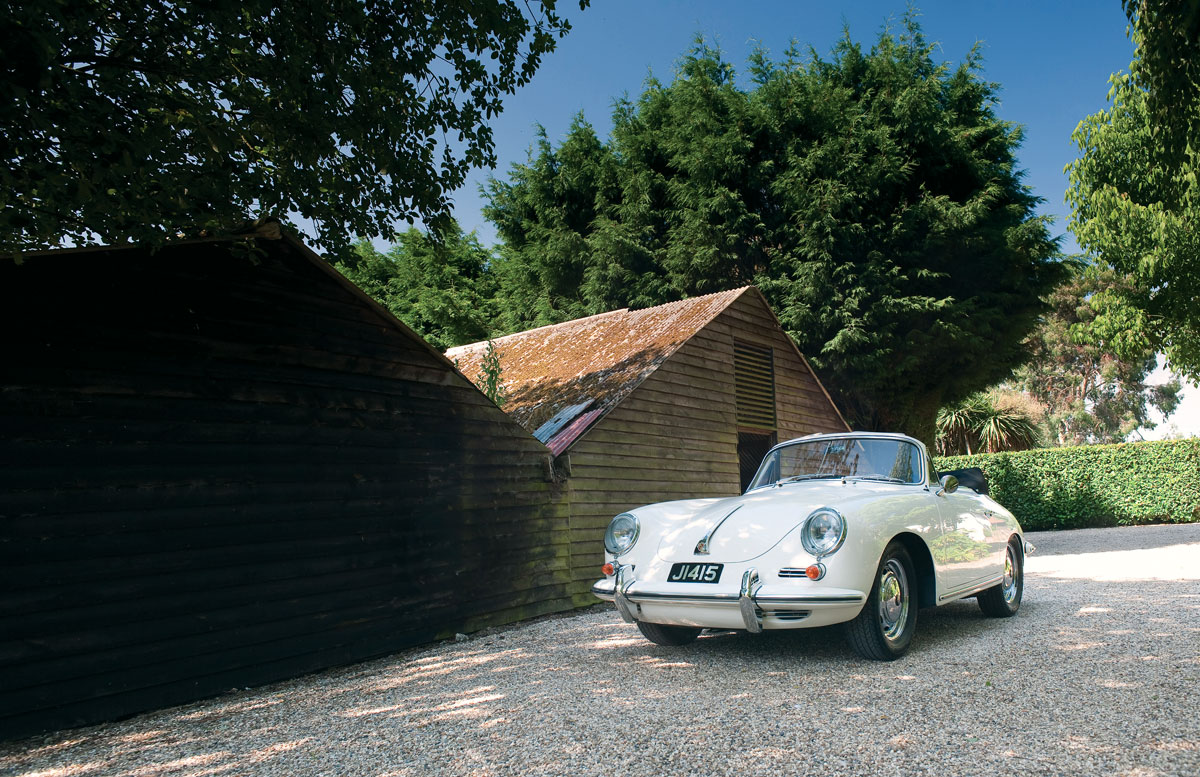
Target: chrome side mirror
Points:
(949, 485)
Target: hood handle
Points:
(702, 547)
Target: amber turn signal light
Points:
(607, 568)
(815, 572)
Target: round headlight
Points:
(622, 532)
(823, 532)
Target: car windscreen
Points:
(894, 461)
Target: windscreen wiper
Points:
(814, 476)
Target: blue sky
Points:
(1051, 59)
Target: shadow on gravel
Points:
(1091, 677)
(938, 628)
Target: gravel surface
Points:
(1098, 674)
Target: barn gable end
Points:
(676, 433)
(224, 469)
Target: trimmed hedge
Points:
(1094, 485)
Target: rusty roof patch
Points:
(598, 360)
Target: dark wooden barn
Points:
(670, 402)
(224, 466)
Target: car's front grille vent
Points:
(792, 572)
(783, 615)
(791, 615)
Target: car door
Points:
(965, 552)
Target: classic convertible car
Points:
(851, 528)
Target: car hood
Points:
(748, 526)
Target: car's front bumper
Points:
(754, 607)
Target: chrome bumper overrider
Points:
(750, 601)
(750, 588)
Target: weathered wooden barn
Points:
(224, 465)
(675, 401)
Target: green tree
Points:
(910, 262)
(546, 217)
(131, 120)
(1135, 189)
(442, 287)
(873, 197)
(660, 212)
(1091, 393)
(1167, 33)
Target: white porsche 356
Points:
(854, 528)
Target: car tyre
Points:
(884, 628)
(672, 636)
(1003, 600)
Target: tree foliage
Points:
(873, 196)
(1094, 485)
(1135, 189)
(1092, 390)
(1167, 33)
(128, 120)
(988, 422)
(438, 285)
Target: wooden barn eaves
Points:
(268, 232)
(562, 378)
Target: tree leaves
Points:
(1086, 370)
(1094, 485)
(990, 422)
(873, 197)
(124, 120)
(440, 286)
(1134, 193)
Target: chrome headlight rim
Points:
(807, 541)
(610, 540)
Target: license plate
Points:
(695, 573)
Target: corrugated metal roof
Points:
(561, 419)
(552, 374)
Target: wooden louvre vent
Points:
(754, 383)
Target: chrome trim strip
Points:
(721, 599)
(706, 540)
(639, 596)
(750, 587)
(846, 599)
(973, 588)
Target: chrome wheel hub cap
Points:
(1009, 585)
(893, 599)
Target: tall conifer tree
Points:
(874, 197)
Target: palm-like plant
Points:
(1006, 430)
(956, 427)
(985, 422)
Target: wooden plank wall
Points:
(220, 473)
(675, 436)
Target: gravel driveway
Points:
(1099, 674)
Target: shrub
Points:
(1094, 485)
